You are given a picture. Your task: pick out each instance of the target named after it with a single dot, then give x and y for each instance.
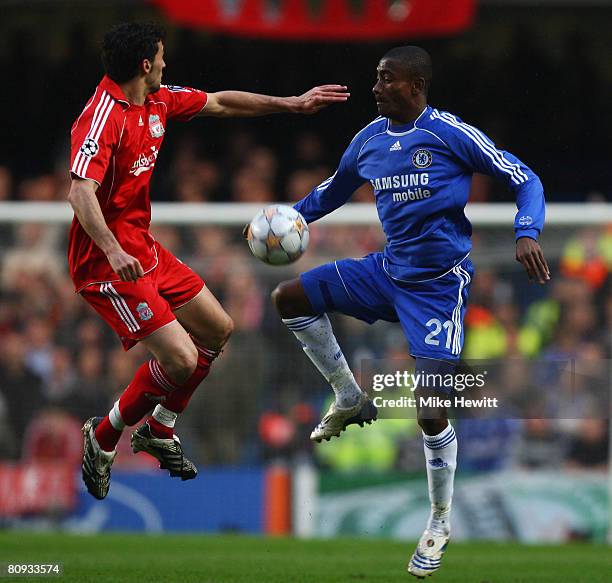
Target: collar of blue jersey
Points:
(395, 130)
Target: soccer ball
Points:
(278, 235)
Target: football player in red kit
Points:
(139, 288)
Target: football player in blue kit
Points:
(420, 162)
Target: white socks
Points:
(114, 416)
(441, 460)
(317, 338)
(164, 416)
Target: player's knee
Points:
(283, 300)
(224, 330)
(181, 364)
(432, 426)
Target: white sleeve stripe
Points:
(81, 162)
(103, 122)
(85, 159)
(485, 140)
(487, 148)
(327, 182)
(514, 170)
(101, 125)
(486, 144)
(79, 159)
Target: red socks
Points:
(149, 387)
(159, 429)
(106, 435)
(178, 399)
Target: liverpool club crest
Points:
(144, 312)
(156, 129)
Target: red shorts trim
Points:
(134, 310)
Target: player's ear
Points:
(418, 86)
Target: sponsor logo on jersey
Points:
(144, 162)
(400, 181)
(525, 221)
(156, 128)
(144, 312)
(409, 186)
(422, 158)
(89, 148)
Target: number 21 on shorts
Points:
(436, 327)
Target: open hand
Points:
(319, 97)
(529, 254)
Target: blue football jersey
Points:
(421, 174)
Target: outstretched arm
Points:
(333, 192)
(243, 104)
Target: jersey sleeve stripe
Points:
(100, 117)
(79, 159)
(92, 132)
(495, 156)
(101, 125)
(517, 175)
(488, 142)
(487, 145)
(326, 182)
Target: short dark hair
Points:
(415, 61)
(126, 45)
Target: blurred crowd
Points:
(60, 364)
(502, 86)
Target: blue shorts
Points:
(430, 312)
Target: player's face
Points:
(393, 90)
(154, 76)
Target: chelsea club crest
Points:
(422, 159)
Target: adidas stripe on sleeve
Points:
(480, 154)
(93, 139)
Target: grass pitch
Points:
(241, 559)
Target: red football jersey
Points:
(116, 143)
